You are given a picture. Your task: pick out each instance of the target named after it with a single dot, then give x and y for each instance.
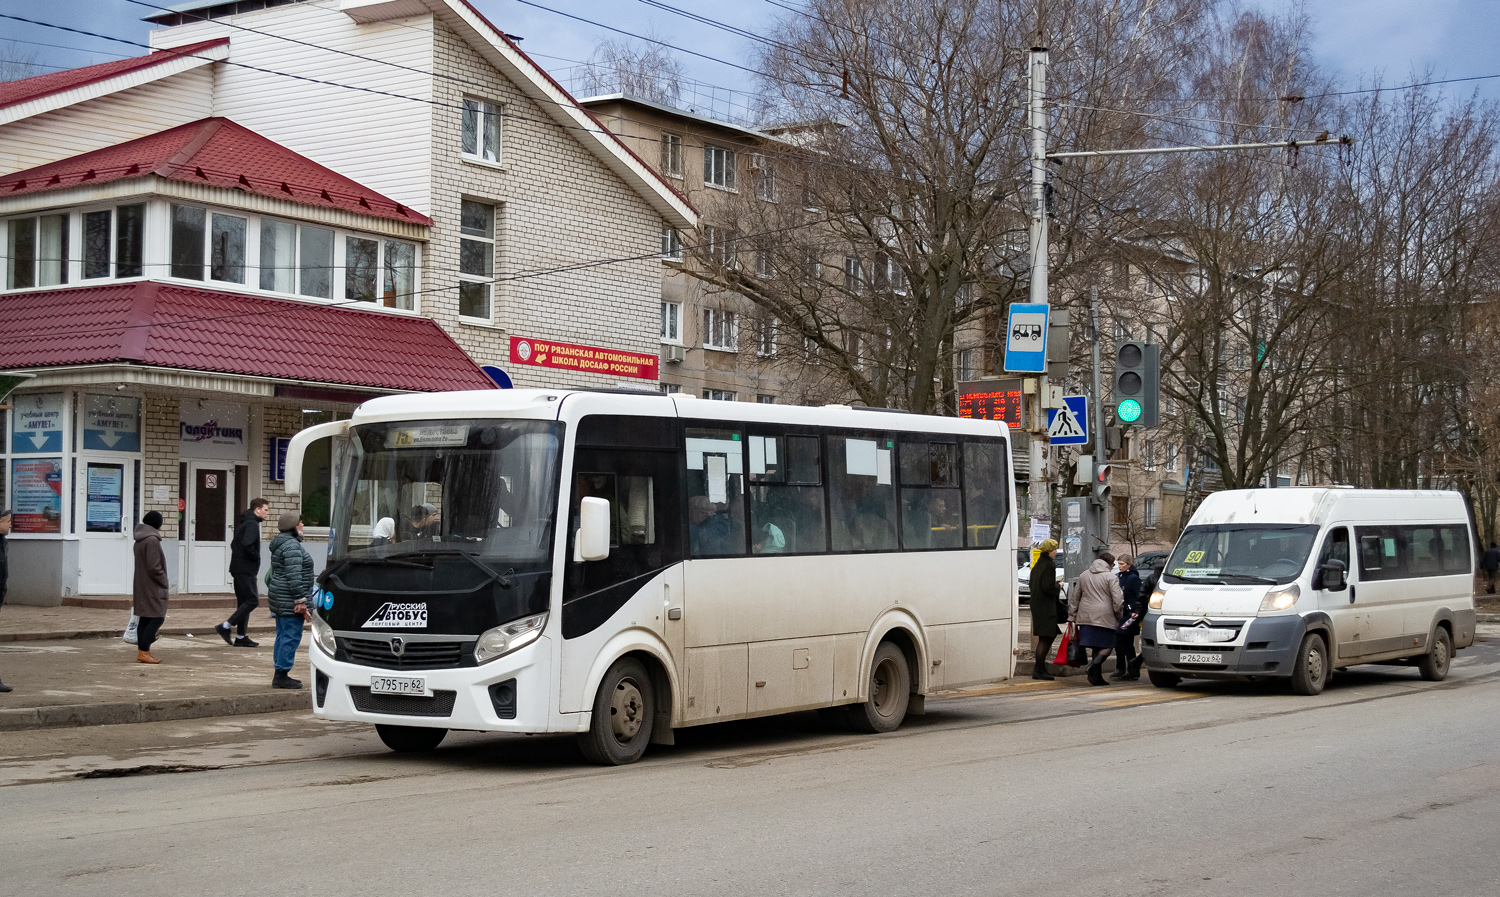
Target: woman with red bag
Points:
(1095, 606)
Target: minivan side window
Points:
(1411, 552)
(1335, 548)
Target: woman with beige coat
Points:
(1095, 605)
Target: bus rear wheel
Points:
(890, 693)
(410, 739)
(624, 710)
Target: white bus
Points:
(620, 565)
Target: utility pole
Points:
(1041, 494)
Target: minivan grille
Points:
(414, 656)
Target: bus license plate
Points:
(398, 685)
(1200, 658)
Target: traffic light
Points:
(1137, 383)
(1101, 485)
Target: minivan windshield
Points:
(1240, 553)
(486, 488)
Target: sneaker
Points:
(244, 642)
(1119, 674)
(282, 680)
(224, 633)
(4, 688)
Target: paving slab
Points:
(23, 623)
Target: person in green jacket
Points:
(1044, 595)
(291, 584)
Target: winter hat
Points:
(1047, 545)
(152, 519)
(288, 521)
(4, 513)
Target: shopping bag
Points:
(1077, 656)
(1061, 658)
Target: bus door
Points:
(632, 463)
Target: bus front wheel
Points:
(410, 739)
(890, 693)
(624, 709)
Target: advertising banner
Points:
(213, 430)
(103, 510)
(36, 489)
(37, 427)
(590, 359)
(112, 423)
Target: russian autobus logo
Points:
(403, 616)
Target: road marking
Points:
(1158, 697)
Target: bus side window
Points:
(986, 498)
(862, 493)
(930, 497)
(786, 495)
(716, 492)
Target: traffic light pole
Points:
(1101, 508)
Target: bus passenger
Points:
(425, 523)
(384, 531)
(708, 526)
(772, 540)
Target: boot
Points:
(145, 657)
(1096, 675)
(282, 680)
(1135, 667)
(1039, 671)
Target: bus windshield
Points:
(1240, 553)
(487, 488)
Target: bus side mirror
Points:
(592, 541)
(1331, 576)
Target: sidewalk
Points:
(69, 667)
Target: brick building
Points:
(284, 209)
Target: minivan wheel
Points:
(1434, 664)
(1163, 680)
(1310, 672)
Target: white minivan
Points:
(1299, 582)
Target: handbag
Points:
(1068, 637)
(1077, 656)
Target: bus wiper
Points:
(502, 578)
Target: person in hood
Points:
(1095, 605)
(383, 533)
(5, 519)
(1044, 595)
(291, 584)
(244, 569)
(149, 588)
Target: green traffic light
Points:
(1129, 411)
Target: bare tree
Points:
(17, 62)
(641, 69)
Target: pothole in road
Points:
(152, 769)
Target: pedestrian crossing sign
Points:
(1069, 425)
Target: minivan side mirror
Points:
(1332, 576)
(592, 541)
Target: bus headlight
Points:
(1156, 599)
(323, 634)
(502, 640)
(1280, 599)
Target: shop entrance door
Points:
(106, 551)
(209, 525)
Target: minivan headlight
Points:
(1280, 599)
(1156, 599)
(502, 640)
(322, 634)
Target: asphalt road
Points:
(1383, 785)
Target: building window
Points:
(765, 337)
(718, 167)
(888, 275)
(854, 274)
(196, 237)
(1148, 454)
(671, 322)
(764, 265)
(812, 265)
(720, 330)
(188, 235)
(315, 262)
(764, 399)
(720, 245)
(668, 389)
(671, 155)
(1171, 454)
(361, 262)
(112, 240)
(809, 199)
(399, 275)
(671, 244)
(968, 364)
(1149, 513)
(278, 255)
(226, 248)
(476, 259)
(37, 252)
(765, 178)
(1119, 510)
(481, 130)
(722, 395)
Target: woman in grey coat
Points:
(1095, 606)
(291, 584)
(149, 587)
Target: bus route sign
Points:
(992, 400)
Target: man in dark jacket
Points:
(4, 565)
(1489, 564)
(1127, 664)
(244, 569)
(1044, 599)
(150, 585)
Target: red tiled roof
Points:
(219, 153)
(13, 92)
(165, 325)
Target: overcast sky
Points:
(1355, 38)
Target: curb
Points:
(1487, 618)
(70, 634)
(73, 715)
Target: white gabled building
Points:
(284, 208)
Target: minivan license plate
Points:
(1200, 658)
(398, 685)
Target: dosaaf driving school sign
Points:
(590, 359)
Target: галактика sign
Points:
(590, 359)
